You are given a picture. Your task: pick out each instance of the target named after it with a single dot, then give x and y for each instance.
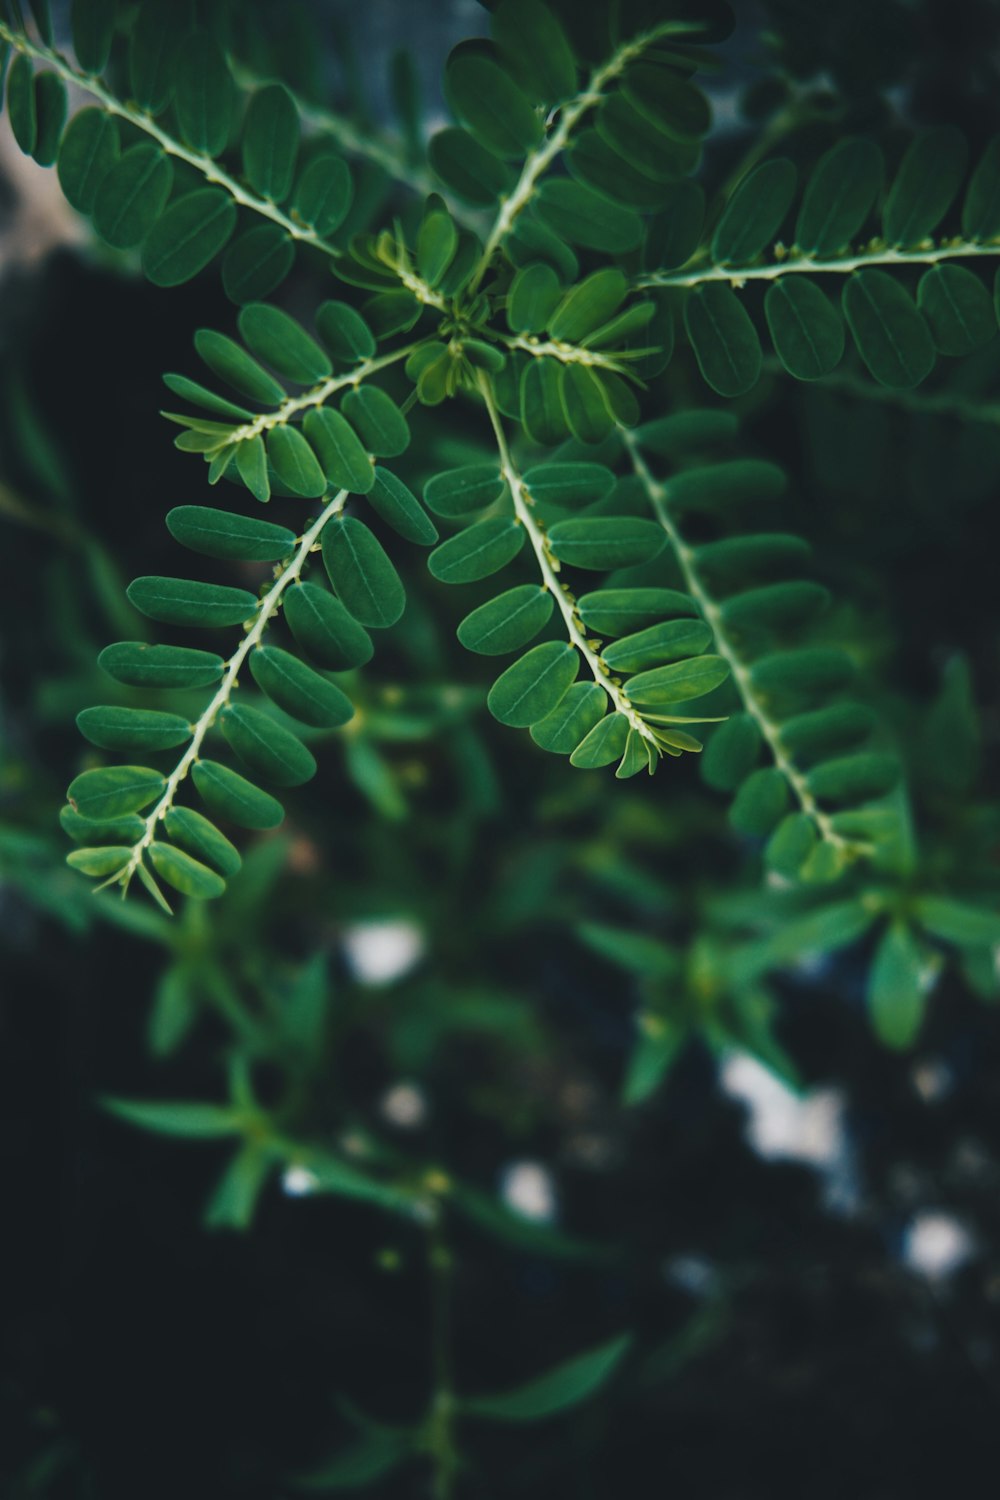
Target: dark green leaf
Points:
(958, 309)
(459, 492)
(957, 922)
(141, 665)
(534, 294)
(670, 103)
(587, 218)
(342, 457)
(198, 836)
(199, 1121)
(92, 25)
(585, 405)
(184, 873)
(732, 753)
(400, 509)
(114, 790)
(643, 143)
(187, 236)
(323, 194)
(855, 778)
(299, 690)
(534, 685)
(838, 197)
(221, 533)
(903, 974)
(198, 395)
(156, 35)
(677, 682)
(362, 574)
(271, 142)
(588, 305)
(981, 211)
(295, 463)
(534, 47)
(542, 410)
(572, 485)
(810, 736)
(50, 114)
(377, 420)
(672, 641)
(490, 103)
(266, 746)
(675, 233)
(465, 166)
(203, 94)
(808, 672)
(928, 179)
(256, 263)
(88, 151)
(282, 342)
(322, 625)
(604, 744)
(231, 796)
(615, 612)
(182, 601)
(760, 803)
(344, 332)
(556, 1390)
(776, 604)
(806, 329)
(108, 860)
(892, 338)
(507, 622)
(754, 213)
(606, 542)
(233, 364)
(724, 339)
(116, 727)
(601, 167)
(21, 103)
(251, 465)
(132, 196)
(477, 551)
(582, 707)
(437, 242)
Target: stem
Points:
(878, 255)
(570, 115)
(266, 611)
(567, 354)
(318, 396)
(770, 731)
(441, 1436)
(548, 566)
(206, 165)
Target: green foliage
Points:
(510, 372)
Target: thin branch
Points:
(318, 396)
(548, 566)
(266, 611)
(659, 494)
(570, 114)
(206, 165)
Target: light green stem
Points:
(548, 566)
(318, 396)
(206, 165)
(659, 493)
(570, 115)
(877, 255)
(266, 610)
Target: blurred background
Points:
(800, 1227)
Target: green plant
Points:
(545, 335)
